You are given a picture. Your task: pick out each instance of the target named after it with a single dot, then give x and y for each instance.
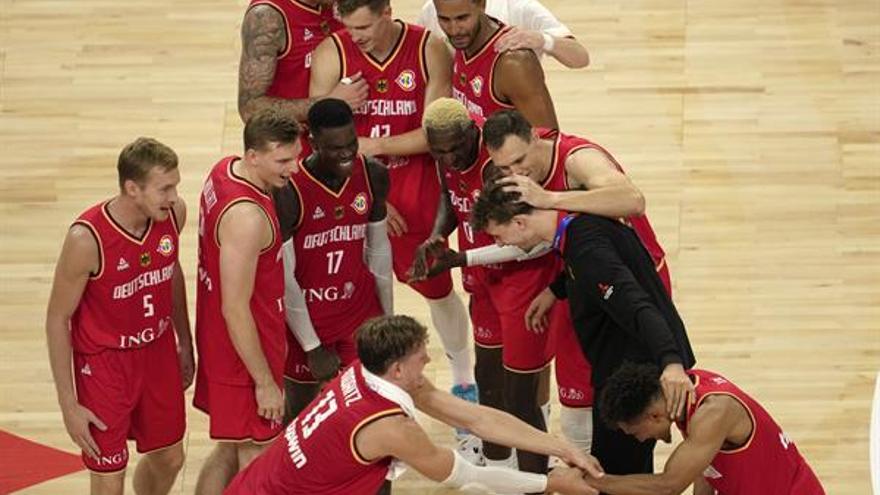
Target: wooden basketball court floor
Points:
(752, 127)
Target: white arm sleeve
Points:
(488, 255)
(533, 15)
(295, 311)
(428, 18)
(378, 258)
(493, 479)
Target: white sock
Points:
(450, 318)
(577, 426)
(545, 411)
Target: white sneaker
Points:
(471, 448)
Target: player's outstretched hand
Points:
(396, 224)
(323, 363)
(529, 191)
(187, 364)
(419, 269)
(677, 389)
(537, 316)
(76, 420)
(569, 481)
(270, 401)
(354, 90)
(517, 39)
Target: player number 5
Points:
(148, 306)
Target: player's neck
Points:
(383, 48)
(323, 174)
(125, 213)
(545, 152)
(486, 30)
(545, 224)
(311, 3)
(246, 171)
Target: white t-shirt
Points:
(525, 14)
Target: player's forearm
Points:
(180, 314)
(246, 341)
(296, 311)
(493, 254)
(409, 143)
(615, 201)
(60, 359)
(296, 108)
(445, 222)
(504, 429)
(637, 484)
(569, 52)
(378, 256)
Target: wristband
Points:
(549, 42)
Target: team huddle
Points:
(368, 141)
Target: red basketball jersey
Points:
(222, 190)
(768, 464)
(306, 27)
(557, 180)
(464, 188)
(394, 106)
(128, 303)
(473, 78)
(317, 453)
(329, 242)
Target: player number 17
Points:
(334, 259)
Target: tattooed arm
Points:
(263, 38)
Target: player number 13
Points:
(322, 410)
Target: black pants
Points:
(618, 452)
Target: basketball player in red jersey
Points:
(570, 173)
(406, 69)
(118, 300)
(240, 331)
(461, 163)
(277, 39)
(732, 446)
(485, 78)
(458, 134)
(506, 353)
(337, 256)
(362, 427)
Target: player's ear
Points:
(394, 370)
(250, 154)
(130, 187)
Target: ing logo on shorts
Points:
(477, 85)
(406, 80)
(166, 246)
(360, 203)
